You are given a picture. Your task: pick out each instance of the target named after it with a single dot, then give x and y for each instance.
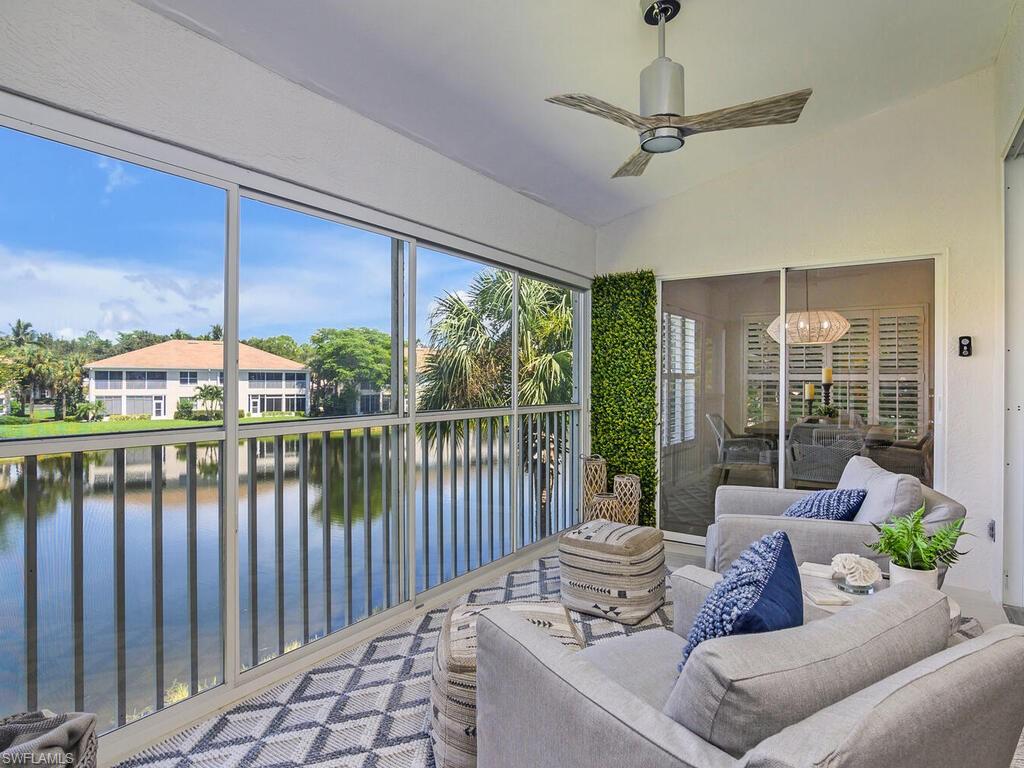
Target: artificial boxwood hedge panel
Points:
(623, 378)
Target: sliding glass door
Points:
(858, 381)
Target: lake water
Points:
(365, 483)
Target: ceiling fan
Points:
(661, 123)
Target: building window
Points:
(295, 381)
(111, 405)
(139, 405)
(188, 378)
(109, 379)
(147, 379)
(295, 403)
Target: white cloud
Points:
(69, 294)
(117, 175)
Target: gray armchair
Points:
(744, 514)
(872, 685)
(734, 448)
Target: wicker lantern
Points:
(627, 490)
(595, 480)
(605, 506)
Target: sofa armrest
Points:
(690, 585)
(748, 500)
(814, 541)
(540, 704)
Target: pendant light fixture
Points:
(817, 326)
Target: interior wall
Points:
(1009, 81)
(117, 61)
(919, 178)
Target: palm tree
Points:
(38, 373)
(210, 395)
(21, 333)
(68, 374)
(469, 363)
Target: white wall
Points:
(920, 177)
(117, 61)
(1009, 77)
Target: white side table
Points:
(822, 597)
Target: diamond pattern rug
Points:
(367, 708)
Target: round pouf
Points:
(627, 489)
(604, 506)
(612, 570)
(453, 674)
(595, 480)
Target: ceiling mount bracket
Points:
(656, 10)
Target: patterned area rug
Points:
(367, 708)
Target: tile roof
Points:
(206, 355)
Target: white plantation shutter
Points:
(901, 371)
(761, 362)
(879, 367)
(679, 377)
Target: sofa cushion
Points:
(759, 593)
(837, 504)
(734, 692)
(889, 494)
(620, 659)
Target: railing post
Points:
(157, 512)
(31, 585)
(279, 537)
(325, 514)
(119, 585)
(254, 586)
(304, 532)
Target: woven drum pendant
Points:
(627, 490)
(605, 506)
(595, 480)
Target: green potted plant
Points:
(913, 554)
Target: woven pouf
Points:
(453, 674)
(627, 490)
(613, 570)
(595, 480)
(605, 506)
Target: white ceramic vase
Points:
(928, 579)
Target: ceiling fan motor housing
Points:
(661, 93)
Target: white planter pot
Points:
(928, 579)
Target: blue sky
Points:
(92, 243)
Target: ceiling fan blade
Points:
(777, 110)
(634, 166)
(603, 109)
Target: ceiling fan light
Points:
(661, 140)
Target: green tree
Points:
(37, 374)
(344, 359)
(68, 374)
(131, 340)
(87, 411)
(216, 332)
(211, 396)
(21, 333)
(469, 362)
(282, 345)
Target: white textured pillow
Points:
(889, 494)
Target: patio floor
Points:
(366, 707)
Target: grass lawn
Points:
(64, 428)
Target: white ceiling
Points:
(469, 78)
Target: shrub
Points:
(186, 409)
(624, 376)
(13, 420)
(130, 417)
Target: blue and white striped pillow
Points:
(839, 504)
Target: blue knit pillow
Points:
(759, 593)
(840, 504)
